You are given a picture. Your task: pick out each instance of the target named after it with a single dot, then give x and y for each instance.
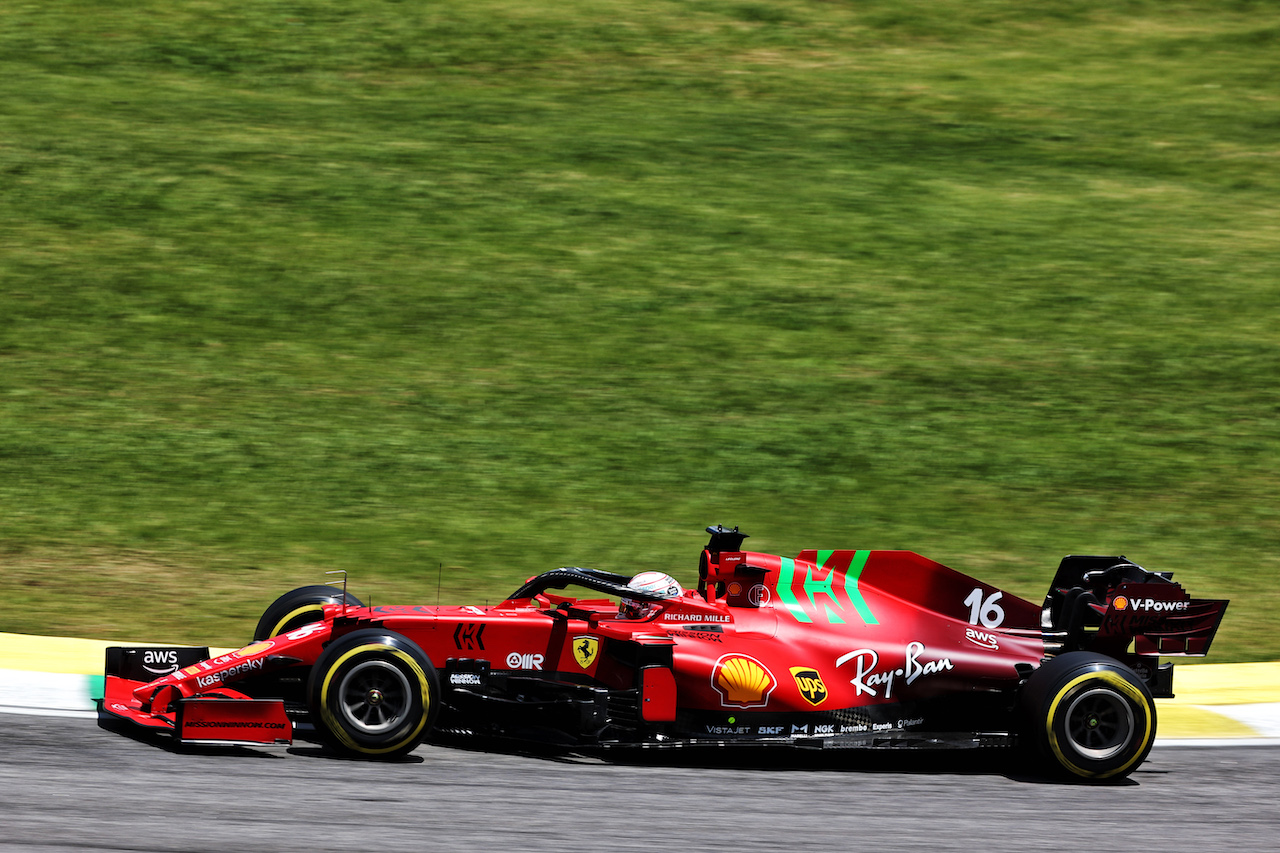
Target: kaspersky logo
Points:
(810, 685)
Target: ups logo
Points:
(810, 685)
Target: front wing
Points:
(223, 717)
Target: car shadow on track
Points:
(162, 740)
(159, 739)
(749, 758)
(1008, 763)
(317, 751)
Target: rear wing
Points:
(1161, 619)
(1107, 604)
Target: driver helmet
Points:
(656, 582)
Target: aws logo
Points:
(810, 685)
(160, 661)
(982, 638)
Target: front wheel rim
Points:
(374, 697)
(1099, 724)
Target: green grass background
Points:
(447, 293)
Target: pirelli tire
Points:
(373, 694)
(1088, 717)
(297, 608)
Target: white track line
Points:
(50, 692)
(1263, 717)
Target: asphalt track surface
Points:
(67, 784)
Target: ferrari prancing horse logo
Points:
(585, 650)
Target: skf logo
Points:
(810, 685)
(585, 650)
(742, 682)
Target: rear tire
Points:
(297, 608)
(373, 694)
(1088, 716)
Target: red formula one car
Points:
(862, 649)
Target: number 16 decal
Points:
(985, 611)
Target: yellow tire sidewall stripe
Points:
(279, 626)
(1120, 683)
(336, 728)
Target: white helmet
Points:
(654, 582)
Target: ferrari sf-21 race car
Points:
(828, 649)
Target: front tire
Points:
(1089, 716)
(373, 694)
(297, 608)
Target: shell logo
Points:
(1120, 602)
(742, 682)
